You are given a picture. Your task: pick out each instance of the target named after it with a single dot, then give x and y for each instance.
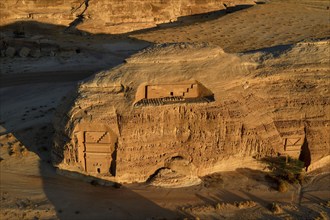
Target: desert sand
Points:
(280, 41)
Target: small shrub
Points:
(284, 171)
(290, 177)
(300, 177)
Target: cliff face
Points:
(114, 16)
(258, 110)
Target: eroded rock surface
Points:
(262, 106)
(109, 16)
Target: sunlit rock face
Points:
(113, 16)
(182, 111)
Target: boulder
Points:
(36, 53)
(10, 51)
(24, 52)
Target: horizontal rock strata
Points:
(253, 115)
(114, 16)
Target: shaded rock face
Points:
(114, 16)
(100, 132)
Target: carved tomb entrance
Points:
(97, 150)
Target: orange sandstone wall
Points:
(111, 16)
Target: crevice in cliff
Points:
(86, 2)
(80, 17)
(305, 154)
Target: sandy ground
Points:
(31, 89)
(259, 27)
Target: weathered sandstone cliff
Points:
(201, 107)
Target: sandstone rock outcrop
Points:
(260, 108)
(109, 16)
